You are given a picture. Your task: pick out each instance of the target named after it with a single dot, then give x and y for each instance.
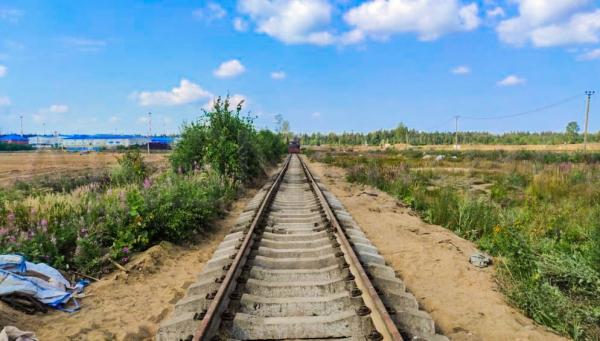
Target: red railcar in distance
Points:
(294, 146)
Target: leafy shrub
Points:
(130, 168)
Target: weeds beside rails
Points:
(76, 229)
(75, 224)
(540, 218)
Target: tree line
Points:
(401, 134)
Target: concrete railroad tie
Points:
(295, 284)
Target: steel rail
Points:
(212, 318)
(380, 317)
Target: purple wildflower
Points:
(44, 222)
(12, 239)
(53, 240)
(118, 220)
(146, 183)
(33, 211)
(179, 170)
(3, 231)
(84, 231)
(46, 257)
(109, 192)
(125, 259)
(30, 235)
(11, 216)
(86, 235)
(126, 249)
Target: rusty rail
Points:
(212, 319)
(380, 317)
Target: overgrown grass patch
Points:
(540, 218)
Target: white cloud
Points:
(212, 11)
(316, 114)
(496, 12)
(186, 93)
(511, 80)
(233, 102)
(3, 70)
(546, 23)
(589, 55)
(240, 24)
(292, 22)
(4, 101)
(114, 119)
(229, 69)
(352, 37)
(278, 75)
(55, 109)
(38, 118)
(83, 45)
(143, 119)
(461, 69)
(11, 14)
(429, 19)
(59, 108)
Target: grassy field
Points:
(27, 165)
(536, 212)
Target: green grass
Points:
(540, 218)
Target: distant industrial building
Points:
(97, 142)
(163, 142)
(46, 141)
(14, 139)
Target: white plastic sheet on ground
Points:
(39, 281)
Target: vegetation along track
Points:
(297, 266)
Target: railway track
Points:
(296, 266)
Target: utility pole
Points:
(587, 114)
(44, 128)
(456, 129)
(21, 125)
(149, 130)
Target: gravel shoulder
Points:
(433, 262)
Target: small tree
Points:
(572, 131)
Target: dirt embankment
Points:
(130, 306)
(433, 262)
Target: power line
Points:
(439, 125)
(529, 111)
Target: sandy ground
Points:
(25, 165)
(433, 262)
(402, 146)
(130, 306)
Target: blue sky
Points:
(325, 65)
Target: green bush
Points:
(226, 141)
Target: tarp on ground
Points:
(39, 281)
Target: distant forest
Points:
(417, 138)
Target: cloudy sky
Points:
(325, 65)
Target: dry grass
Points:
(27, 165)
